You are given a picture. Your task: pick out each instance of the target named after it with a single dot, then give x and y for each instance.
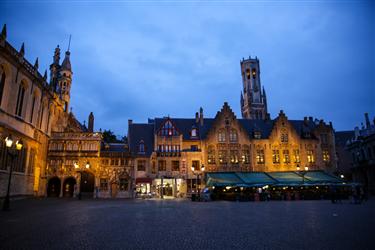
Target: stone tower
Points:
(91, 123)
(65, 80)
(253, 96)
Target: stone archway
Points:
(54, 185)
(68, 188)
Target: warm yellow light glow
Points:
(75, 165)
(307, 168)
(19, 144)
(227, 187)
(202, 168)
(192, 168)
(8, 141)
(87, 165)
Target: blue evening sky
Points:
(141, 59)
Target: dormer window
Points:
(168, 129)
(257, 135)
(194, 132)
(141, 147)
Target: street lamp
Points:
(12, 153)
(302, 173)
(198, 174)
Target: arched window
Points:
(32, 109)
(20, 98)
(221, 135)
(248, 73)
(2, 83)
(233, 135)
(141, 148)
(254, 73)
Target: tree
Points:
(109, 136)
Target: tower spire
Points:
(70, 38)
(36, 64)
(4, 32)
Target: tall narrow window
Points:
(310, 156)
(325, 156)
(41, 118)
(234, 156)
(32, 110)
(2, 84)
(248, 73)
(20, 97)
(260, 156)
(211, 155)
(296, 156)
(276, 156)
(245, 155)
(221, 135)
(286, 158)
(254, 73)
(223, 156)
(233, 135)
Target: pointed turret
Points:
(22, 50)
(66, 63)
(4, 32)
(45, 75)
(36, 64)
(56, 56)
(91, 123)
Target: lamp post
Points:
(198, 174)
(302, 173)
(12, 152)
(76, 166)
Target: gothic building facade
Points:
(60, 156)
(165, 157)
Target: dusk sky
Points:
(139, 60)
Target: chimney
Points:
(201, 116)
(91, 123)
(196, 117)
(130, 122)
(368, 125)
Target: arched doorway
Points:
(68, 188)
(87, 183)
(53, 189)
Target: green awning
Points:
(256, 178)
(223, 179)
(287, 178)
(321, 177)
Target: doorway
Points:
(54, 185)
(87, 183)
(68, 188)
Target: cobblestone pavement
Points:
(181, 224)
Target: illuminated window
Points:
(325, 156)
(245, 155)
(211, 155)
(254, 73)
(221, 136)
(260, 156)
(286, 158)
(248, 73)
(296, 158)
(233, 135)
(234, 156)
(168, 129)
(276, 156)
(222, 156)
(310, 156)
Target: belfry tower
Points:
(253, 97)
